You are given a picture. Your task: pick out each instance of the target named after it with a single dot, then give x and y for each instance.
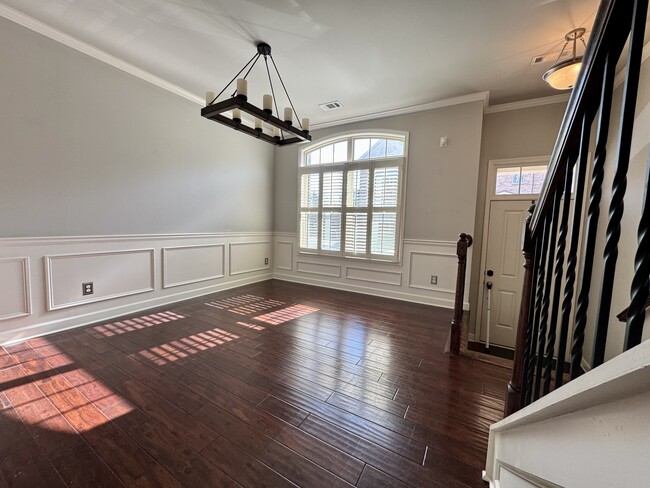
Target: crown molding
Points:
(83, 47)
(483, 96)
(533, 102)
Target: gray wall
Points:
(86, 149)
(513, 134)
(441, 182)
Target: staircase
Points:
(587, 256)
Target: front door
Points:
(505, 261)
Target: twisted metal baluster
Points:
(619, 187)
(572, 259)
(557, 280)
(640, 282)
(547, 290)
(542, 242)
(595, 193)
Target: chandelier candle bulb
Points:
(276, 132)
(267, 103)
(305, 124)
(242, 88)
(209, 96)
(288, 115)
(236, 114)
(258, 124)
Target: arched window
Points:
(351, 196)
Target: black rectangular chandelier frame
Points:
(214, 111)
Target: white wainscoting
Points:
(283, 256)
(114, 274)
(248, 257)
(409, 280)
(15, 298)
(129, 274)
(183, 265)
(320, 269)
(374, 275)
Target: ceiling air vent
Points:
(550, 57)
(330, 105)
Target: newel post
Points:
(514, 399)
(464, 241)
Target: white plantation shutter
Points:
(350, 197)
(333, 189)
(309, 230)
(356, 233)
(331, 234)
(384, 233)
(386, 187)
(310, 190)
(358, 188)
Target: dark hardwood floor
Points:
(272, 384)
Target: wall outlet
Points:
(434, 279)
(87, 288)
(266, 260)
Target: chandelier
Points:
(267, 125)
(563, 75)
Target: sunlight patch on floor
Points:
(46, 391)
(187, 346)
(133, 324)
(251, 326)
(284, 315)
(245, 304)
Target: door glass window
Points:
(520, 180)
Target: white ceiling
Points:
(372, 55)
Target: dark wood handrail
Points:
(464, 242)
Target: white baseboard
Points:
(366, 290)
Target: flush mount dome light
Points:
(563, 75)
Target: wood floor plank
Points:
(334, 460)
(22, 464)
(288, 463)
(80, 466)
(373, 478)
(243, 467)
(167, 414)
(188, 467)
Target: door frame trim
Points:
(493, 165)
